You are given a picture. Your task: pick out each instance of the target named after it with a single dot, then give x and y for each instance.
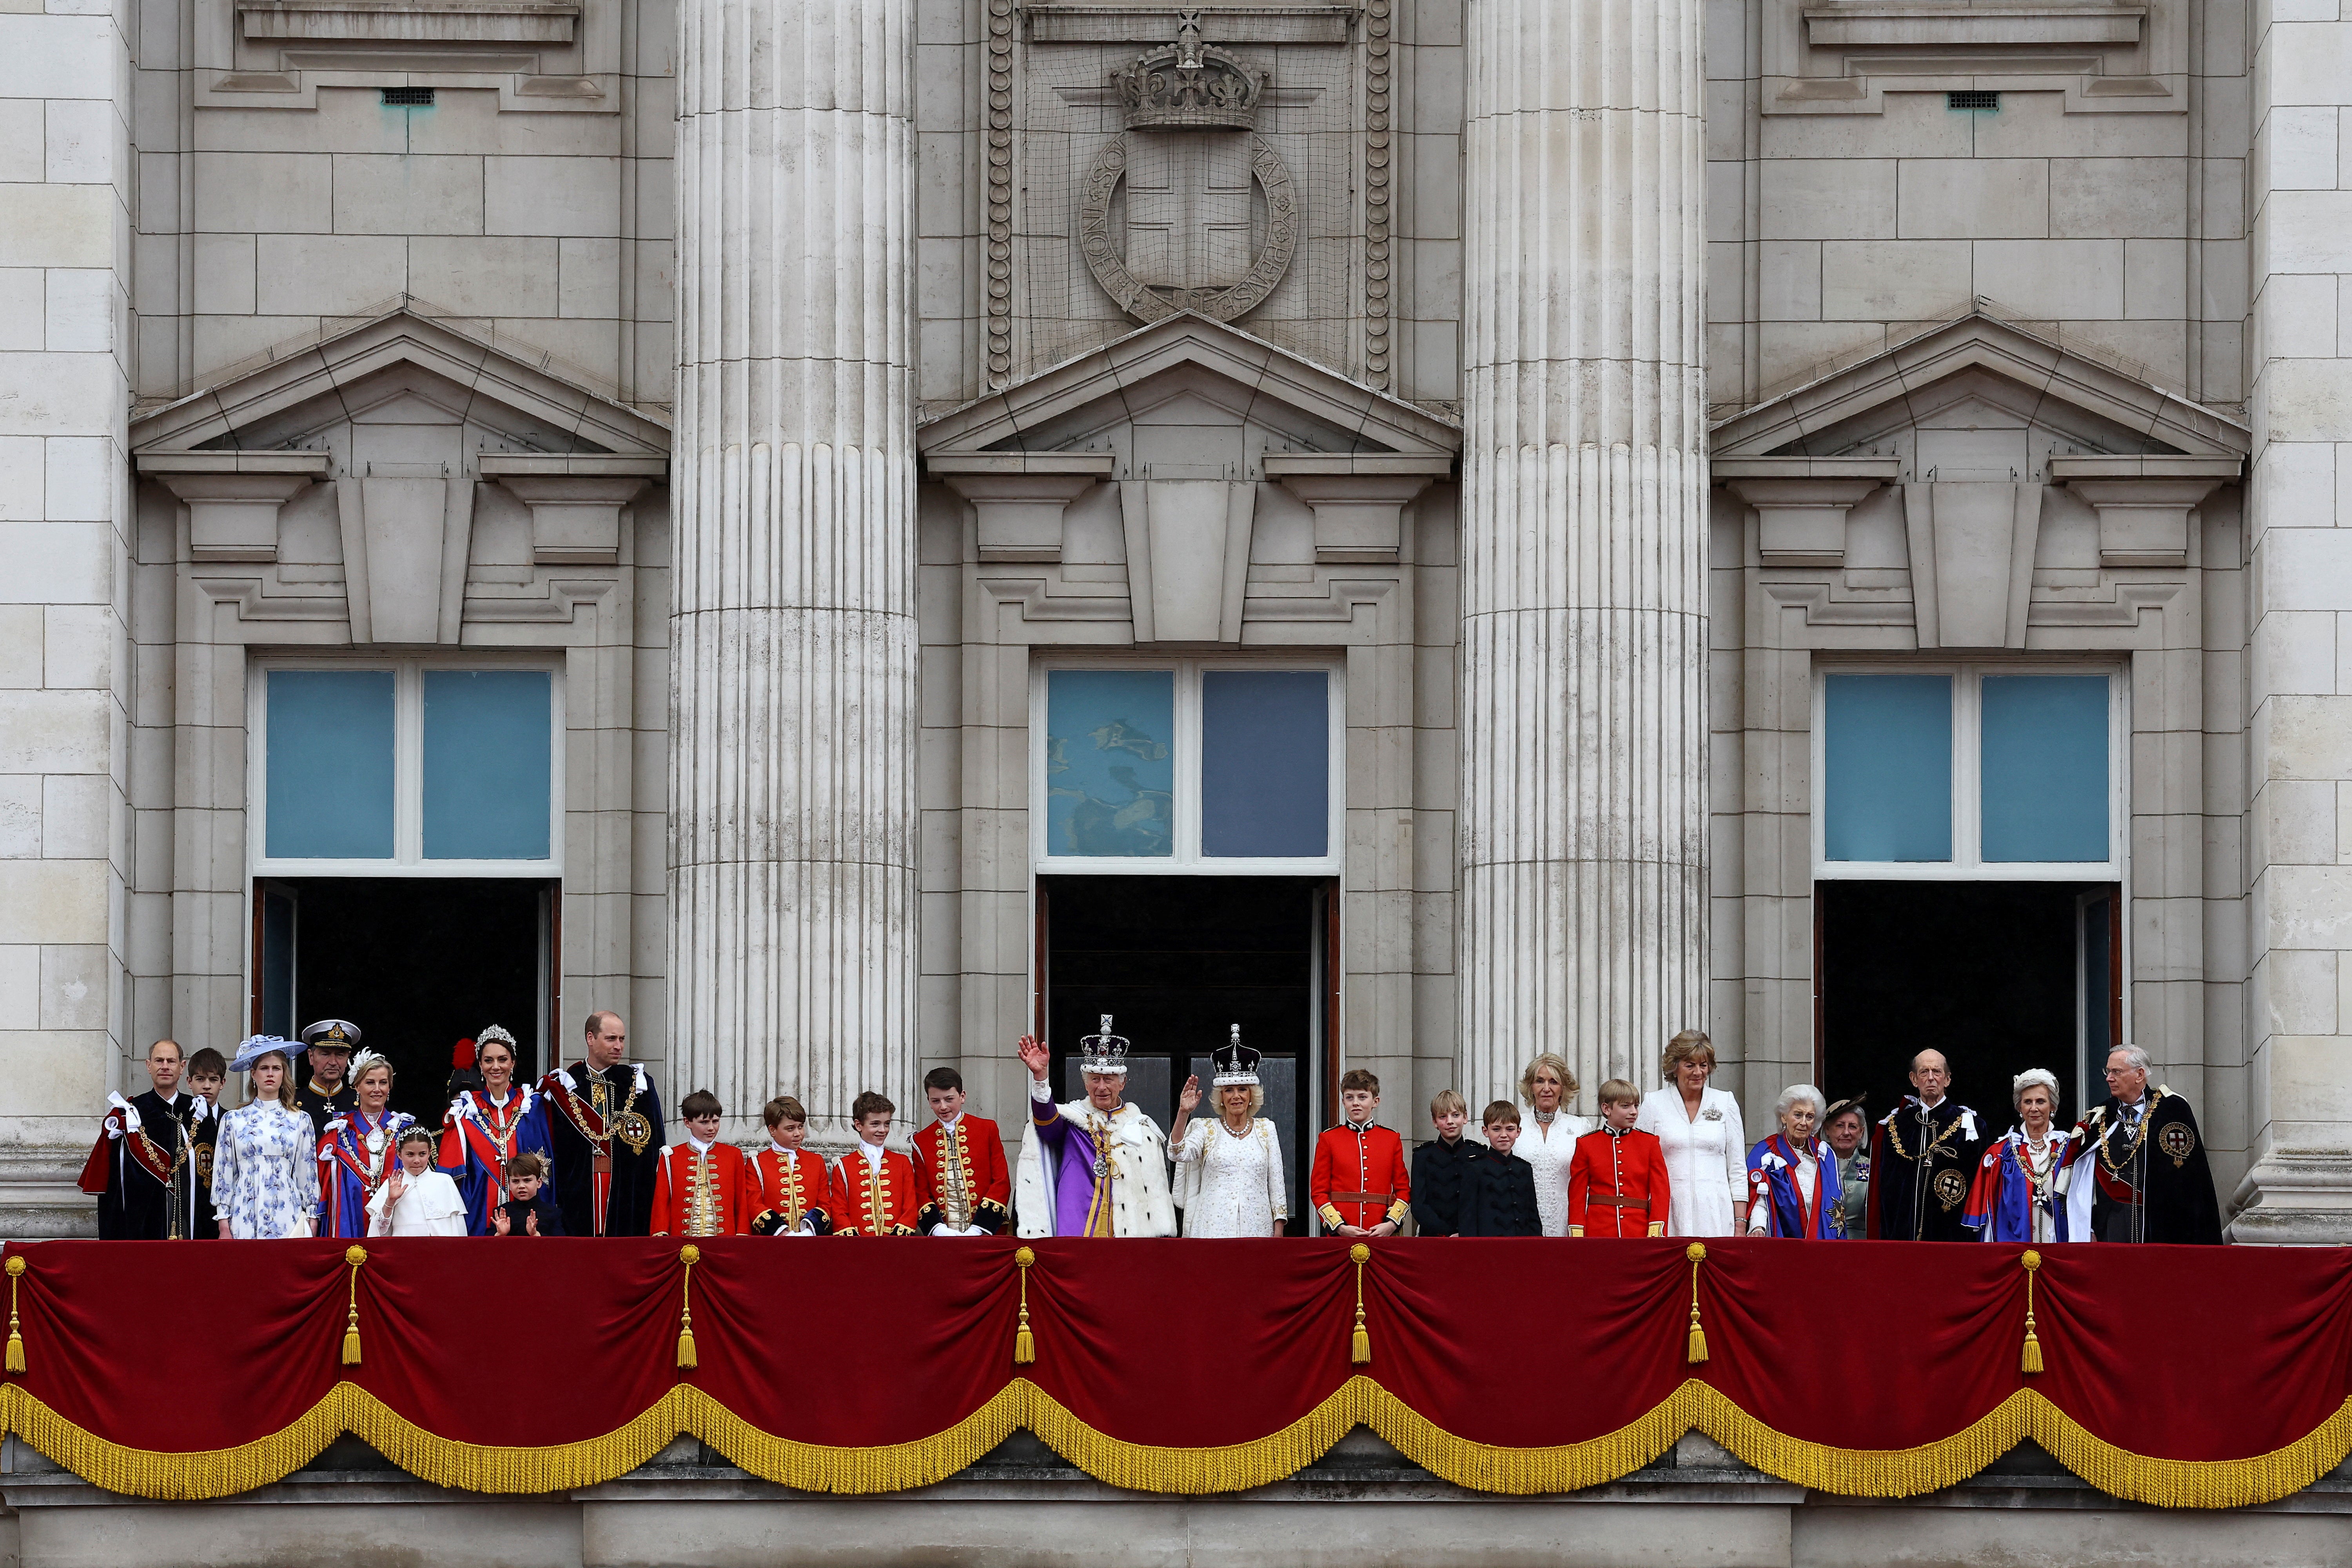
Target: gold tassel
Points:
(1360, 1349)
(688, 1360)
(1025, 1343)
(15, 1340)
(1694, 1351)
(354, 1256)
(2029, 1361)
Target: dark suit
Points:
(1501, 1199)
(1440, 1183)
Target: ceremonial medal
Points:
(1949, 1188)
(2177, 1141)
(1102, 1167)
(632, 1129)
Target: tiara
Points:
(1104, 1052)
(493, 1033)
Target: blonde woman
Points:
(1229, 1170)
(1548, 1141)
(1706, 1148)
(266, 1168)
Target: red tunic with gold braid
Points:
(784, 1189)
(964, 1181)
(870, 1202)
(698, 1194)
(1360, 1176)
(1617, 1185)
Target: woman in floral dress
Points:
(266, 1168)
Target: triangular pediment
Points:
(1980, 373)
(1183, 372)
(400, 367)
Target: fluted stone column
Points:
(792, 824)
(1583, 726)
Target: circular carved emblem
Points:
(1146, 303)
(1950, 1188)
(2176, 1140)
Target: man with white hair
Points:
(1097, 1166)
(2145, 1165)
(1921, 1159)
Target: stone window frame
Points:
(407, 858)
(1189, 668)
(1967, 864)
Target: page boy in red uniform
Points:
(964, 1186)
(872, 1187)
(787, 1190)
(699, 1183)
(1617, 1176)
(1360, 1185)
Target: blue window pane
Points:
(1110, 761)
(329, 765)
(1266, 763)
(488, 750)
(1888, 757)
(2045, 767)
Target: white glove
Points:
(974, 1230)
(943, 1228)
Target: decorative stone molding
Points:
(1146, 303)
(1891, 23)
(1842, 57)
(1188, 85)
(1019, 496)
(1973, 559)
(1000, 193)
(575, 501)
(1800, 502)
(1123, 24)
(2144, 502)
(1358, 499)
(1187, 550)
(233, 498)
(410, 21)
(1377, 72)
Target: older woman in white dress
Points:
(1548, 1141)
(1706, 1148)
(266, 1165)
(1229, 1169)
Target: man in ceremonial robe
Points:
(148, 1166)
(1923, 1156)
(1097, 1166)
(605, 1120)
(963, 1187)
(2139, 1174)
(325, 1093)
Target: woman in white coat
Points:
(1705, 1147)
(1548, 1141)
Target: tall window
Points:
(1191, 764)
(404, 766)
(1979, 771)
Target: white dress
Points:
(1550, 1150)
(1230, 1185)
(1706, 1158)
(266, 1172)
(428, 1206)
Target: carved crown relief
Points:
(1170, 158)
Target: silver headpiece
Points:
(1236, 1063)
(1104, 1052)
(367, 1059)
(494, 1033)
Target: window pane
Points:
(1888, 757)
(486, 758)
(1111, 763)
(2045, 767)
(1266, 763)
(329, 765)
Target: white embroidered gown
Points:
(266, 1172)
(1550, 1150)
(1229, 1184)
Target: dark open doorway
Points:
(1999, 976)
(417, 964)
(1177, 960)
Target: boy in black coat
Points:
(1442, 1170)
(525, 1211)
(1501, 1196)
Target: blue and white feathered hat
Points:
(256, 1047)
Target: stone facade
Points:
(1579, 383)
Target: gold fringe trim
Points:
(1569, 1467)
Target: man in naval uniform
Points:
(1922, 1157)
(605, 1120)
(152, 1154)
(326, 1092)
(2140, 1174)
(1097, 1166)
